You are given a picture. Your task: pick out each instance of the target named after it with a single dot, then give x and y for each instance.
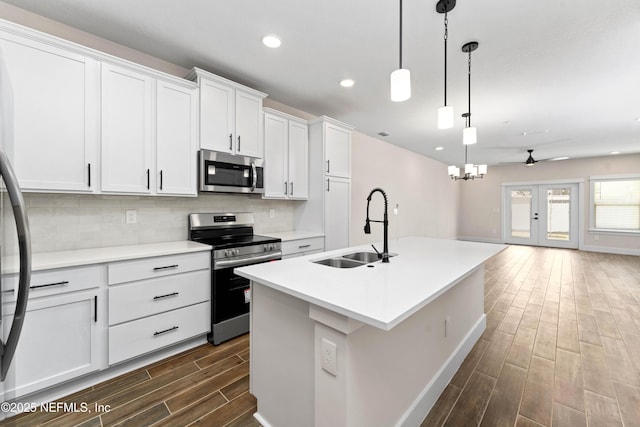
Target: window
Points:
(615, 203)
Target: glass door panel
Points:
(521, 207)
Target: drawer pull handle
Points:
(8, 291)
(303, 246)
(173, 294)
(166, 267)
(64, 282)
(155, 334)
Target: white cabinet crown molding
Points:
(197, 73)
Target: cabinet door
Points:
(55, 97)
(217, 116)
(248, 137)
(59, 341)
(337, 151)
(336, 213)
(298, 160)
(275, 157)
(176, 144)
(127, 101)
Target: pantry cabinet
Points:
(55, 109)
(329, 206)
(230, 115)
(60, 337)
(286, 155)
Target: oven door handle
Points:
(271, 256)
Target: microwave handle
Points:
(254, 175)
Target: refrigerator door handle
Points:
(24, 247)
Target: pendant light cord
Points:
(446, 36)
(400, 34)
(469, 89)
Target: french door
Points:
(541, 215)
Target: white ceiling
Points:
(565, 72)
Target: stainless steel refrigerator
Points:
(15, 243)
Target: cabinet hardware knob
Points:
(304, 246)
(328, 166)
(291, 192)
(238, 143)
(285, 188)
(230, 142)
(328, 185)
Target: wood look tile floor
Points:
(561, 348)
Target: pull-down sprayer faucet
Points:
(385, 223)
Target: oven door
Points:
(220, 172)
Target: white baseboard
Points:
(610, 250)
(430, 394)
(480, 239)
(261, 420)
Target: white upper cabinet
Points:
(55, 108)
(176, 139)
(127, 139)
(286, 156)
(230, 115)
(337, 151)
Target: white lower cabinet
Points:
(60, 337)
(301, 247)
(156, 302)
(141, 336)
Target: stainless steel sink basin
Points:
(339, 262)
(366, 257)
(354, 259)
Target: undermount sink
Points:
(339, 262)
(354, 259)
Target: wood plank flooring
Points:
(561, 348)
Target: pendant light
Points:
(400, 78)
(471, 171)
(469, 133)
(445, 113)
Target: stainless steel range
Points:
(234, 245)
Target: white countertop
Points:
(62, 259)
(286, 236)
(382, 296)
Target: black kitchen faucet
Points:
(385, 222)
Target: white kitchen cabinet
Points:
(337, 150)
(55, 101)
(60, 338)
(176, 139)
(127, 130)
(230, 115)
(328, 208)
(300, 247)
(337, 213)
(286, 155)
(156, 302)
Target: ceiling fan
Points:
(530, 160)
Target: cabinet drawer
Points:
(53, 282)
(302, 246)
(147, 268)
(152, 333)
(140, 299)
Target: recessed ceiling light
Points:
(271, 40)
(613, 153)
(638, 119)
(439, 148)
(346, 83)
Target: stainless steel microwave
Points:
(221, 172)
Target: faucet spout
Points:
(385, 222)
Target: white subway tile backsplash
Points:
(69, 222)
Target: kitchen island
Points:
(371, 345)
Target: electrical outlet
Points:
(328, 355)
(131, 216)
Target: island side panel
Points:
(393, 378)
(282, 358)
